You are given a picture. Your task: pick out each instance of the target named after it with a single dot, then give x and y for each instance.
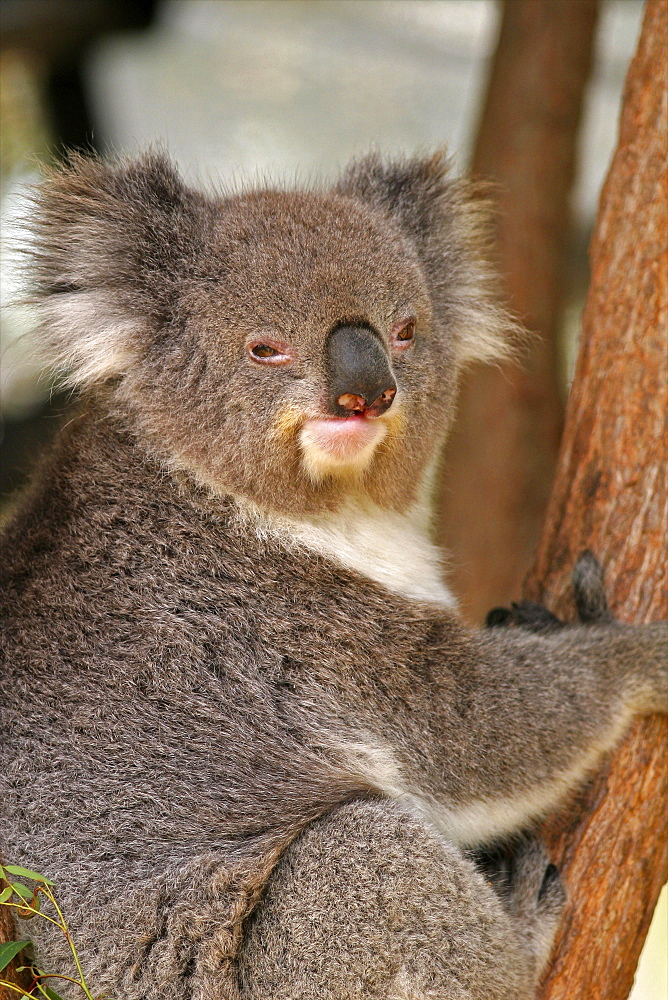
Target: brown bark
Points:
(610, 496)
(500, 460)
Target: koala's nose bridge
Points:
(360, 377)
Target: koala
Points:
(244, 729)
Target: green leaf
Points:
(10, 950)
(6, 893)
(27, 873)
(51, 993)
(21, 890)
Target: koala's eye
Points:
(263, 351)
(269, 353)
(403, 334)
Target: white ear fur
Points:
(101, 236)
(484, 331)
(483, 328)
(88, 338)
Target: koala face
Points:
(290, 348)
(304, 356)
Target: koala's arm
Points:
(551, 706)
(514, 721)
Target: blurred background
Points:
(242, 90)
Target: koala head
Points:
(288, 347)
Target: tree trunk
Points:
(8, 932)
(610, 496)
(500, 460)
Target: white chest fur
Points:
(389, 548)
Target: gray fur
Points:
(250, 768)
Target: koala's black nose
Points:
(360, 378)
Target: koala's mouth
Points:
(340, 445)
(343, 437)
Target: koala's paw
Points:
(531, 890)
(538, 899)
(590, 601)
(521, 873)
(589, 589)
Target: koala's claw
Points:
(528, 615)
(551, 884)
(534, 617)
(499, 618)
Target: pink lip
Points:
(342, 437)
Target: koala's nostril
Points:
(351, 403)
(382, 402)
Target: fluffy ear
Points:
(109, 245)
(447, 222)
